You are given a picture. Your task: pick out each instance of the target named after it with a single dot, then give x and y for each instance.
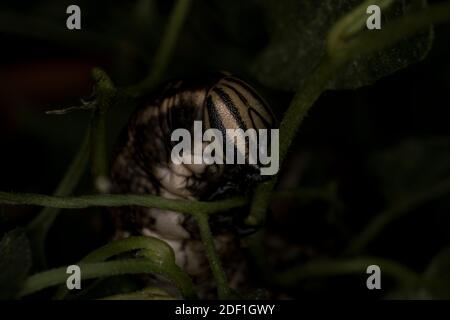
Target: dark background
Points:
(375, 144)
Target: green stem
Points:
(329, 268)
(121, 200)
(105, 96)
(223, 290)
(38, 228)
(94, 270)
(154, 249)
(303, 100)
(165, 50)
(98, 147)
(262, 198)
(339, 55)
(110, 200)
(384, 218)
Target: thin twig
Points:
(165, 49)
(292, 120)
(105, 96)
(84, 106)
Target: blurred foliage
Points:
(437, 276)
(405, 169)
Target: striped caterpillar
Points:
(142, 165)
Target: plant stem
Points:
(106, 269)
(160, 249)
(98, 148)
(262, 198)
(165, 50)
(38, 228)
(110, 200)
(121, 200)
(156, 250)
(338, 55)
(105, 96)
(382, 219)
(329, 267)
(303, 100)
(305, 97)
(223, 290)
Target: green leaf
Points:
(15, 262)
(298, 31)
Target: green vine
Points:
(327, 268)
(94, 270)
(121, 200)
(341, 50)
(105, 95)
(157, 251)
(346, 41)
(223, 290)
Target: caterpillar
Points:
(142, 164)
